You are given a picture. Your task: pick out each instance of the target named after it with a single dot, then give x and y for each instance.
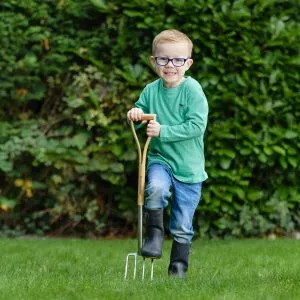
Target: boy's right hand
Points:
(135, 114)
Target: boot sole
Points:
(148, 255)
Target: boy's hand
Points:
(153, 128)
(135, 114)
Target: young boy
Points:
(176, 152)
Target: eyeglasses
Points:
(177, 61)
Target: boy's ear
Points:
(188, 64)
(152, 60)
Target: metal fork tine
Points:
(152, 267)
(126, 265)
(135, 262)
(143, 270)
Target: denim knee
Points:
(157, 194)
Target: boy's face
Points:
(171, 75)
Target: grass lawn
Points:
(94, 269)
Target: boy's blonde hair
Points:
(172, 36)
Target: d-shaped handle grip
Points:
(148, 117)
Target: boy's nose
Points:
(169, 64)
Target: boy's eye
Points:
(162, 60)
(178, 60)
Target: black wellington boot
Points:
(154, 233)
(179, 259)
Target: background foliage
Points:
(70, 70)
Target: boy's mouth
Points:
(170, 73)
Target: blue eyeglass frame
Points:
(171, 59)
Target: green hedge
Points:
(70, 70)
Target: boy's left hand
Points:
(153, 128)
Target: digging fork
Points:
(142, 156)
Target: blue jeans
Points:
(186, 197)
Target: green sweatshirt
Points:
(182, 113)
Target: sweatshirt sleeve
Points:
(142, 102)
(195, 122)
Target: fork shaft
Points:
(140, 229)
